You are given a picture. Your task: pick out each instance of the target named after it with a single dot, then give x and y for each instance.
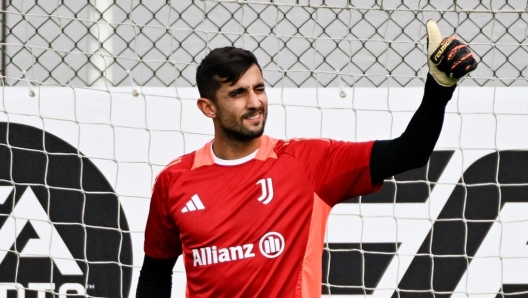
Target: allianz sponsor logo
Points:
(271, 245)
(212, 255)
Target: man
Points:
(248, 212)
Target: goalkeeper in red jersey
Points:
(247, 211)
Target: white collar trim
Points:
(232, 162)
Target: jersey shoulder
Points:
(297, 146)
(177, 167)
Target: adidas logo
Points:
(194, 204)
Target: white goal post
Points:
(98, 96)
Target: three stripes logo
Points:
(194, 204)
(267, 190)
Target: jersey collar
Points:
(232, 162)
(205, 156)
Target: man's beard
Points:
(236, 130)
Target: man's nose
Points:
(253, 99)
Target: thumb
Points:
(434, 37)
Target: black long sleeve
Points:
(413, 148)
(155, 279)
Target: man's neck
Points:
(231, 149)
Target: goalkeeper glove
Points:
(448, 59)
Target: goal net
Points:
(98, 96)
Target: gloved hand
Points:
(449, 59)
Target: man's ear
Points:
(207, 107)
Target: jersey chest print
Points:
(270, 245)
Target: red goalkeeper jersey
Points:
(255, 227)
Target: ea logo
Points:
(62, 228)
(272, 245)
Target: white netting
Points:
(98, 96)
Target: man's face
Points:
(242, 107)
